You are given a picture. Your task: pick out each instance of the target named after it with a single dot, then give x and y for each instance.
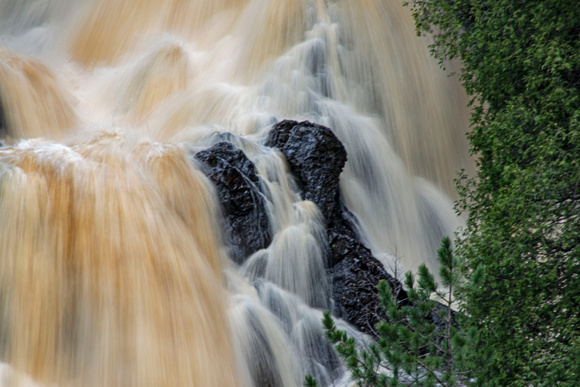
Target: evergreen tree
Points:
(420, 343)
(521, 66)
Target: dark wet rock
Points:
(3, 123)
(238, 188)
(354, 285)
(316, 158)
(354, 279)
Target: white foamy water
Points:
(114, 270)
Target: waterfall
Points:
(115, 269)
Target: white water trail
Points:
(113, 268)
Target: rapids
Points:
(114, 270)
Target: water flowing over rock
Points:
(316, 158)
(116, 194)
(237, 184)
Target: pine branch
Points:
(413, 344)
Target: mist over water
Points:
(114, 267)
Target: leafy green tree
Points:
(521, 66)
(420, 342)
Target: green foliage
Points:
(419, 342)
(521, 247)
(310, 381)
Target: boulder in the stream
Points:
(238, 189)
(316, 158)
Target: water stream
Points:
(114, 268)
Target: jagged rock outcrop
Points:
(237, 184)
(316, 158)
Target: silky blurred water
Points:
(114, 269)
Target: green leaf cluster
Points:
(420, 343)
(521, 67)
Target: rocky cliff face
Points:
(316, 158)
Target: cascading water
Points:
(114, 269)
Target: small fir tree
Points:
(420, 343)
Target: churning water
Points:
(114, 270)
